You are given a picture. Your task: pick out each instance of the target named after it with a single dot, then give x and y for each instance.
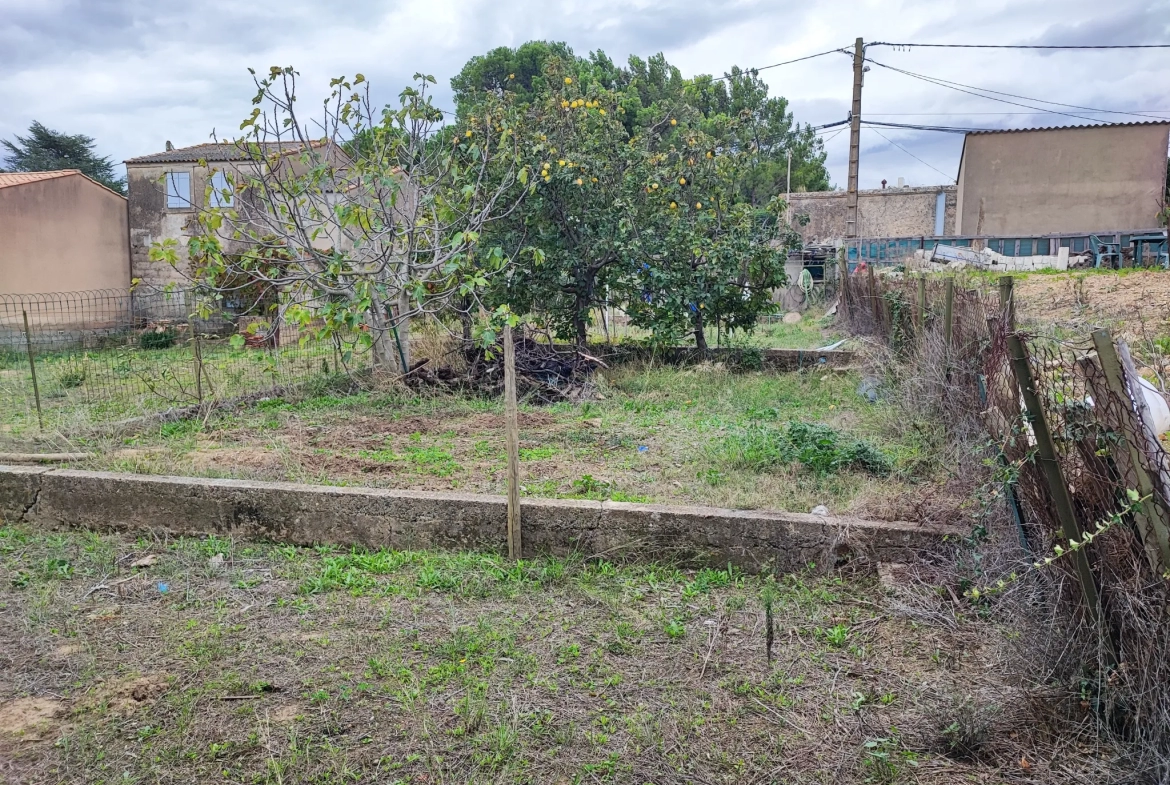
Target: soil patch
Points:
(30, 719)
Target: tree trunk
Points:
(382, 342)
(404, 330)
(465, 320)
(700, 338)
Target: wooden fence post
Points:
(32, 366)
(512, 435)
(843, 267)
(1007, 301)
(1153, 517)
(949, 312)
(198, 352)
(1058, 489)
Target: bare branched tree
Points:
(361, 219)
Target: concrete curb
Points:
(377, 518)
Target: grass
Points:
(277, 664)
(657, 434)
(80, 388)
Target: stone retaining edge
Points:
(404, 519)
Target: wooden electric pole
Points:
(851, 225)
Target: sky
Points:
(134, 74)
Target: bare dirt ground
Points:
(1133, 303)
(699, 435)
(219, 661)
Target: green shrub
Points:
(72, 377)
(817, 447)
(158, 339)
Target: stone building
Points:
(883, 212)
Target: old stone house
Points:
(168, 190)
(61, 232)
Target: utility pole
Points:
(851, 225)
(788, 191)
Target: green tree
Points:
(736, 110)
(46, 150)
(581, 218)
(710, 257)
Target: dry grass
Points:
(271, 664)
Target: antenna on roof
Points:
(170, 146)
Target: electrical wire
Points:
(1022, 46)
(953, 86)
(951, 129)
(912, 155)
(957, 85)
(786, 62)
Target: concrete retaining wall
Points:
(375, 518)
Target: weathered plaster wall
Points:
(1107, 178)
(885, 212)
(64, 234)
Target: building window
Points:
(178, 190)
(1025, 248)
(221, 192)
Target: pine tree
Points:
(46, 150)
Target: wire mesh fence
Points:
(1077, 431)
(73, 360)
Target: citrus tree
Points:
(710, 256)
(584, 219)
(362, 218)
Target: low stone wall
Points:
(376, 518)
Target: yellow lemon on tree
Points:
(593, 179)
(682, 181)
(580, 181)
(602, 111)
(511, 76)
(673, 205)
(568, 80)
(699, 205)
(710, 154)
(561, 162)
(654, 186)
(468, 134)
(673, 121)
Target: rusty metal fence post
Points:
(32, 367)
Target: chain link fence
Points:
(1076, 429)
(72, 361)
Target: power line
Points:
(997, 114)
(912, 155)
(956, 85)
(971, 91)
(754, 71)
(917, 127)
(1021, 46)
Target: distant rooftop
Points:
(21, 178)
(214, 151)
(1069, 127)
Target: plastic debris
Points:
(820, 509)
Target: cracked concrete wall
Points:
(377, 518)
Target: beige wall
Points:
(64, 234)
(1062, 180)
(885, 212)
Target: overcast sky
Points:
(136, 73)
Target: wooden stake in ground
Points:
(32, 367)
(512, 433)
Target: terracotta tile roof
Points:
(213, 151)
(21, 178)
